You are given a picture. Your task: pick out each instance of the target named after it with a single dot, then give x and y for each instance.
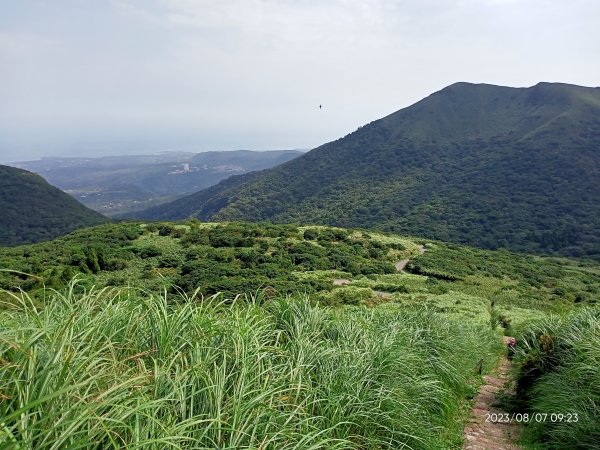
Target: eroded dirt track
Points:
(490, 427)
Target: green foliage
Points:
(559, 379)
(310, 234)
(511, 278)
(349, 296)
(229, 237)
(116, 264)
(119, 368)
(388, 366)
(238, 258)
(95, 250)
(166, 230)
(148, 251)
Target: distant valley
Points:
(114, 185)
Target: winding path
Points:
(481, 433)
(400, 265)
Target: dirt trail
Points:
(490, 427)
(400, 265)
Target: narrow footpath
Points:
(400, 265)
(490, 427)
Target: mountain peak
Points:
(473, 163)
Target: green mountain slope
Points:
(33, 210)
(479, 164)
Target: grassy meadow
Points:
(119, 368)
(262, 336)
(559, 380)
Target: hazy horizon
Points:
(140, 153)
(89, 78)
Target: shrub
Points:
(168, 261)
(196, 236)
(152, 227)
(149, 251)
(166, 230)
(351, 295)
(115, 264)
(310, 234)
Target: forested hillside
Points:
(32, 210)
(479, 164)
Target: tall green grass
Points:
(559, 380)
(123, 368)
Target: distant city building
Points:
(185, 168)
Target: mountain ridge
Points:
(484, 165)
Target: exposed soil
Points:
(400, 265)
(490, 427)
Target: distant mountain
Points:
(116, 185)
(485, 165)
(33, 211)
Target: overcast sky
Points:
(91, 77)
